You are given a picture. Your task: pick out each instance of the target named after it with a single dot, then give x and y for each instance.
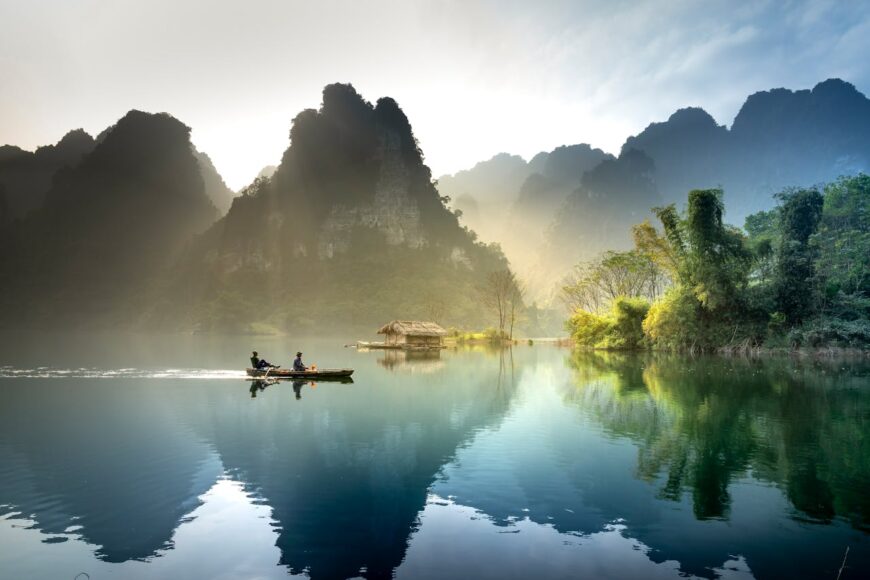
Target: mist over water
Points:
(155, 457)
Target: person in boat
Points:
(297, 363)
(260, 364)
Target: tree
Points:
(717, 259)
(435, 306)
(594, 285)
(501, 293)
(843, 242)
(516, 306)
(709, 264)
(620, 328)
(800, 215)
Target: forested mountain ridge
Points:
(26, 177)
(349, 230)
(780, 138)
(107, 228)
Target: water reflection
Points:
(345, 475)
(419, 361)
(259, 385)
(705, 423)
(100, 460)
(503, 463)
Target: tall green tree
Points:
(843, 243)
(800, 214)
(709, 263)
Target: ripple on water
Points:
(9, 372)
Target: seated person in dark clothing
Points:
(260, 364)
(297, 363)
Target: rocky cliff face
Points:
(392, 212)
(348, 229)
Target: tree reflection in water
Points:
(703, 423)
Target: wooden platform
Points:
(385, 346)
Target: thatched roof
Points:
(412, 328)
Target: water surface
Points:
(154, 457)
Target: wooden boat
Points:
(319, 374)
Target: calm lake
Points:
(143, 457)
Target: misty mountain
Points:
(780, 138)
(107, 227)
(493, 180)
(268, 171)
(509, 200)
(555, 175)
(613, 196)
(215, 188)
(25, 176)
(349, 230)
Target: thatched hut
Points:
(413, 334)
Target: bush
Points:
(672, 322)
(494, 335)
(832, 332)
(620, 329)
(627, 315)
(587, 329)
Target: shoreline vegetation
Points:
(796, 278)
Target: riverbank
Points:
(750, 352)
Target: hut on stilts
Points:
(410, 335)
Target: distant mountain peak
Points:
(692, 116)
(835, 86)
(75, 137)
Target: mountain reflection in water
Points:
(535, 461)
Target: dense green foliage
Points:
(798, 279)
(620, 328)
(799, 218)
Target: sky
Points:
(474, 77)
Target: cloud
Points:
(475, 78)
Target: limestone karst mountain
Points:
(108, 227)
(268, 171)
(349, 230)
(780, 138)
(215, 188)
(25, 176)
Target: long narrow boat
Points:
(321, 374)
